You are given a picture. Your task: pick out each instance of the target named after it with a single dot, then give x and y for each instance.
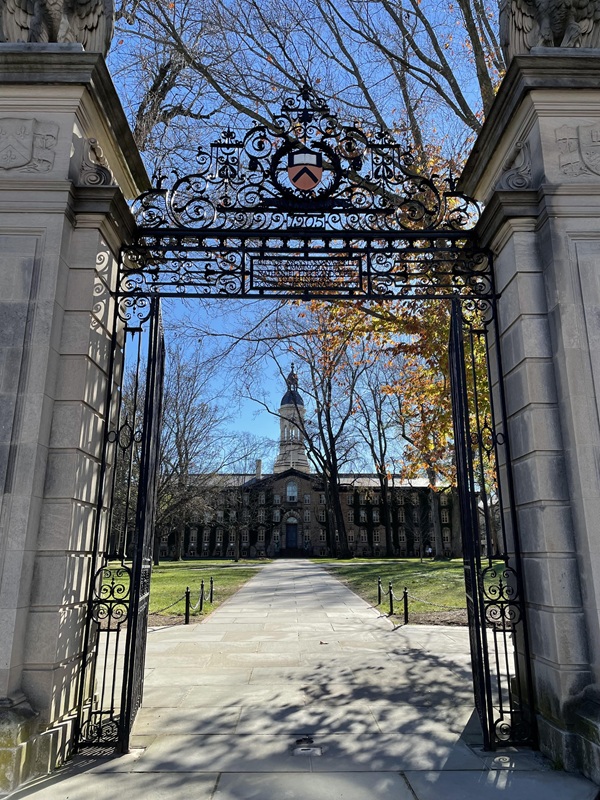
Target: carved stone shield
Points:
(305, 169)
(589, 146)
(16, 142)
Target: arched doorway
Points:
(312, 210)
(291, 538)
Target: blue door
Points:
(291, 535)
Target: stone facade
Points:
(63, 217)
(285, 515)
(536, 166)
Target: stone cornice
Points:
(31, 64)
(100, 206)
(545, 68)
(531, 208)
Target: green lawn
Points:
(170, 578)
(439, 582)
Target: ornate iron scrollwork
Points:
(308, 207)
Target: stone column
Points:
(67, 165)
(536, 167)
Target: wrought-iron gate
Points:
(502, 682)
(306, 209)
(117, 614)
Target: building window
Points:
(443, 499)
(219, 516)
(206, 535)
(414, 497)
(400, 498)
(276, 535)
(261, 535)
(362, 499)
(261, 499)
(350, 498)
(363, 515)
(276, 499)
(306, 515)
(276, 515)
(350, 536)
(401, 535)
(363, 535)
(322, 535)
(232, 516)
(375, 515)
(376, 537)
(446, 535)
(322, 515)
(231, 538)
(306, 499)
(445, 516)
(401, 515)
(375, 500)
(350, 516)
(415, 515)
(291, 491)
(245, 537)
(322, 499)
(261, 515)
(219, 535)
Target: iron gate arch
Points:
(307, 208)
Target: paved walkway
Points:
(295, 689)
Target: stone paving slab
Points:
(500, 785)
(295, 662)
(341, 786)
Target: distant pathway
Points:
(296, 689)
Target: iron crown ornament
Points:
(307, 164)
(307, 207)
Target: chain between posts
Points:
(404, 600)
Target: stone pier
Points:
(67, 165)
(536, 166)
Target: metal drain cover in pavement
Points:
(307, 751)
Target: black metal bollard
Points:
(405, 599)
(201, 594)
(187, 606)
(211, 590)
(379, 591)
(391, 599)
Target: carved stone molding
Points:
(579, 149)
(516, 169)
(94, 169)
(27, 145)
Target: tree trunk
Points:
(434, 499)
(342, 549)
(179, 537)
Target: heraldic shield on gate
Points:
(308, 208)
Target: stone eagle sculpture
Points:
(89, 22)
(525, 24)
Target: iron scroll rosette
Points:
(112, 597)
(501, 601)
